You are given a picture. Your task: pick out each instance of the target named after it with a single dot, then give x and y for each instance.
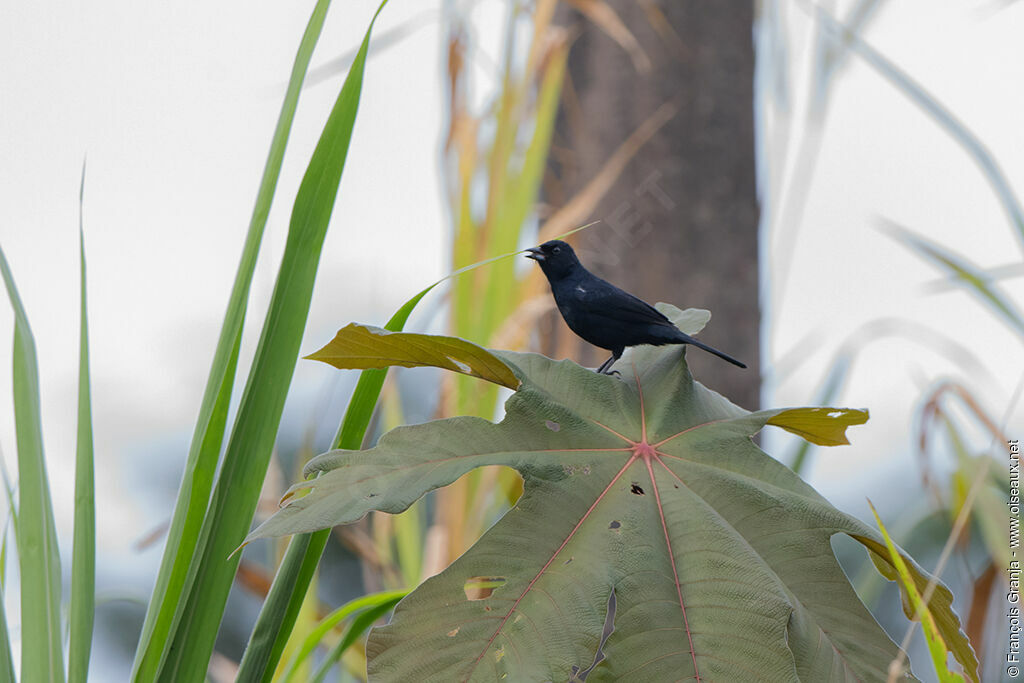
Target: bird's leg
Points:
(603, 370)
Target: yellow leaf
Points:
(358, 347)
(821, 426)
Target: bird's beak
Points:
(536, 254)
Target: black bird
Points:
(601, 313)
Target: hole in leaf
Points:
(553, 426)
(463, 367)
(615, 524)
(568, 561)
(836, 413)
(481, 587)
(635, 488)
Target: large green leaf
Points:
(646, 487)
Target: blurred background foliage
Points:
(954, 518)
(689, 142)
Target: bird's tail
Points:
(701, 345)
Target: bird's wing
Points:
(608, 301)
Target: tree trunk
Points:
(680, 223)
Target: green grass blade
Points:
(410, 538)
(304, 622)
(281, 607)
(6, 658)
(359, 625)
(970, 276)
(83, 559)
(937, 646)
(12, 520)
(42, 656)
(332, 620)
(252, 437)
(194, 494)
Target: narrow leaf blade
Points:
(939, 608)
(937, 645)
(299, 565)
(249, 448)
(969, 275)
(197, 481)
(359, 625)
(332, 620)
(83, 559)
(268, 638)
(6, 656)
(42, 657)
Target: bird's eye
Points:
(556, 250)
